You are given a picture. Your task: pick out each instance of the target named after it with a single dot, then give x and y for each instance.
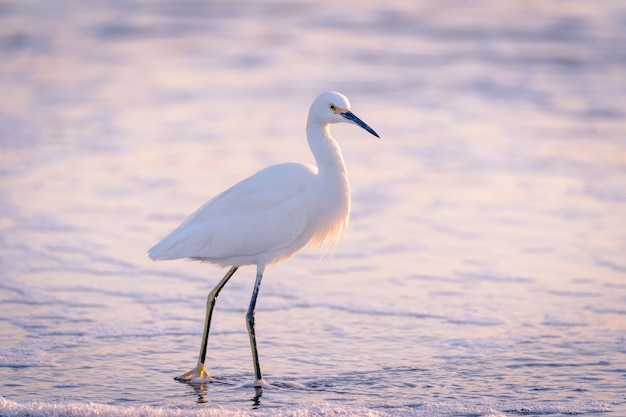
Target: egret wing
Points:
(267, 214)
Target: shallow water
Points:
(483, 272)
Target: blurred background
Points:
(484, 268)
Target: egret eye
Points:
(333, 107)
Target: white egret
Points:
(269, 216)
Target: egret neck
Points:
(332, 181)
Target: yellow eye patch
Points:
(336, 109)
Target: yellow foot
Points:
(198, 374)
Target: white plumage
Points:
(270, 215)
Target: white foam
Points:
(425, 409)
(30, 354)
(11, 408)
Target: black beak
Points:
(350, 116)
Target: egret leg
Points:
(251, 331)
(199, 372)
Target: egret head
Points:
(334, 107)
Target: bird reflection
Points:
(256, 400)
(201, 390)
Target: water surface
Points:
(483, 272)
